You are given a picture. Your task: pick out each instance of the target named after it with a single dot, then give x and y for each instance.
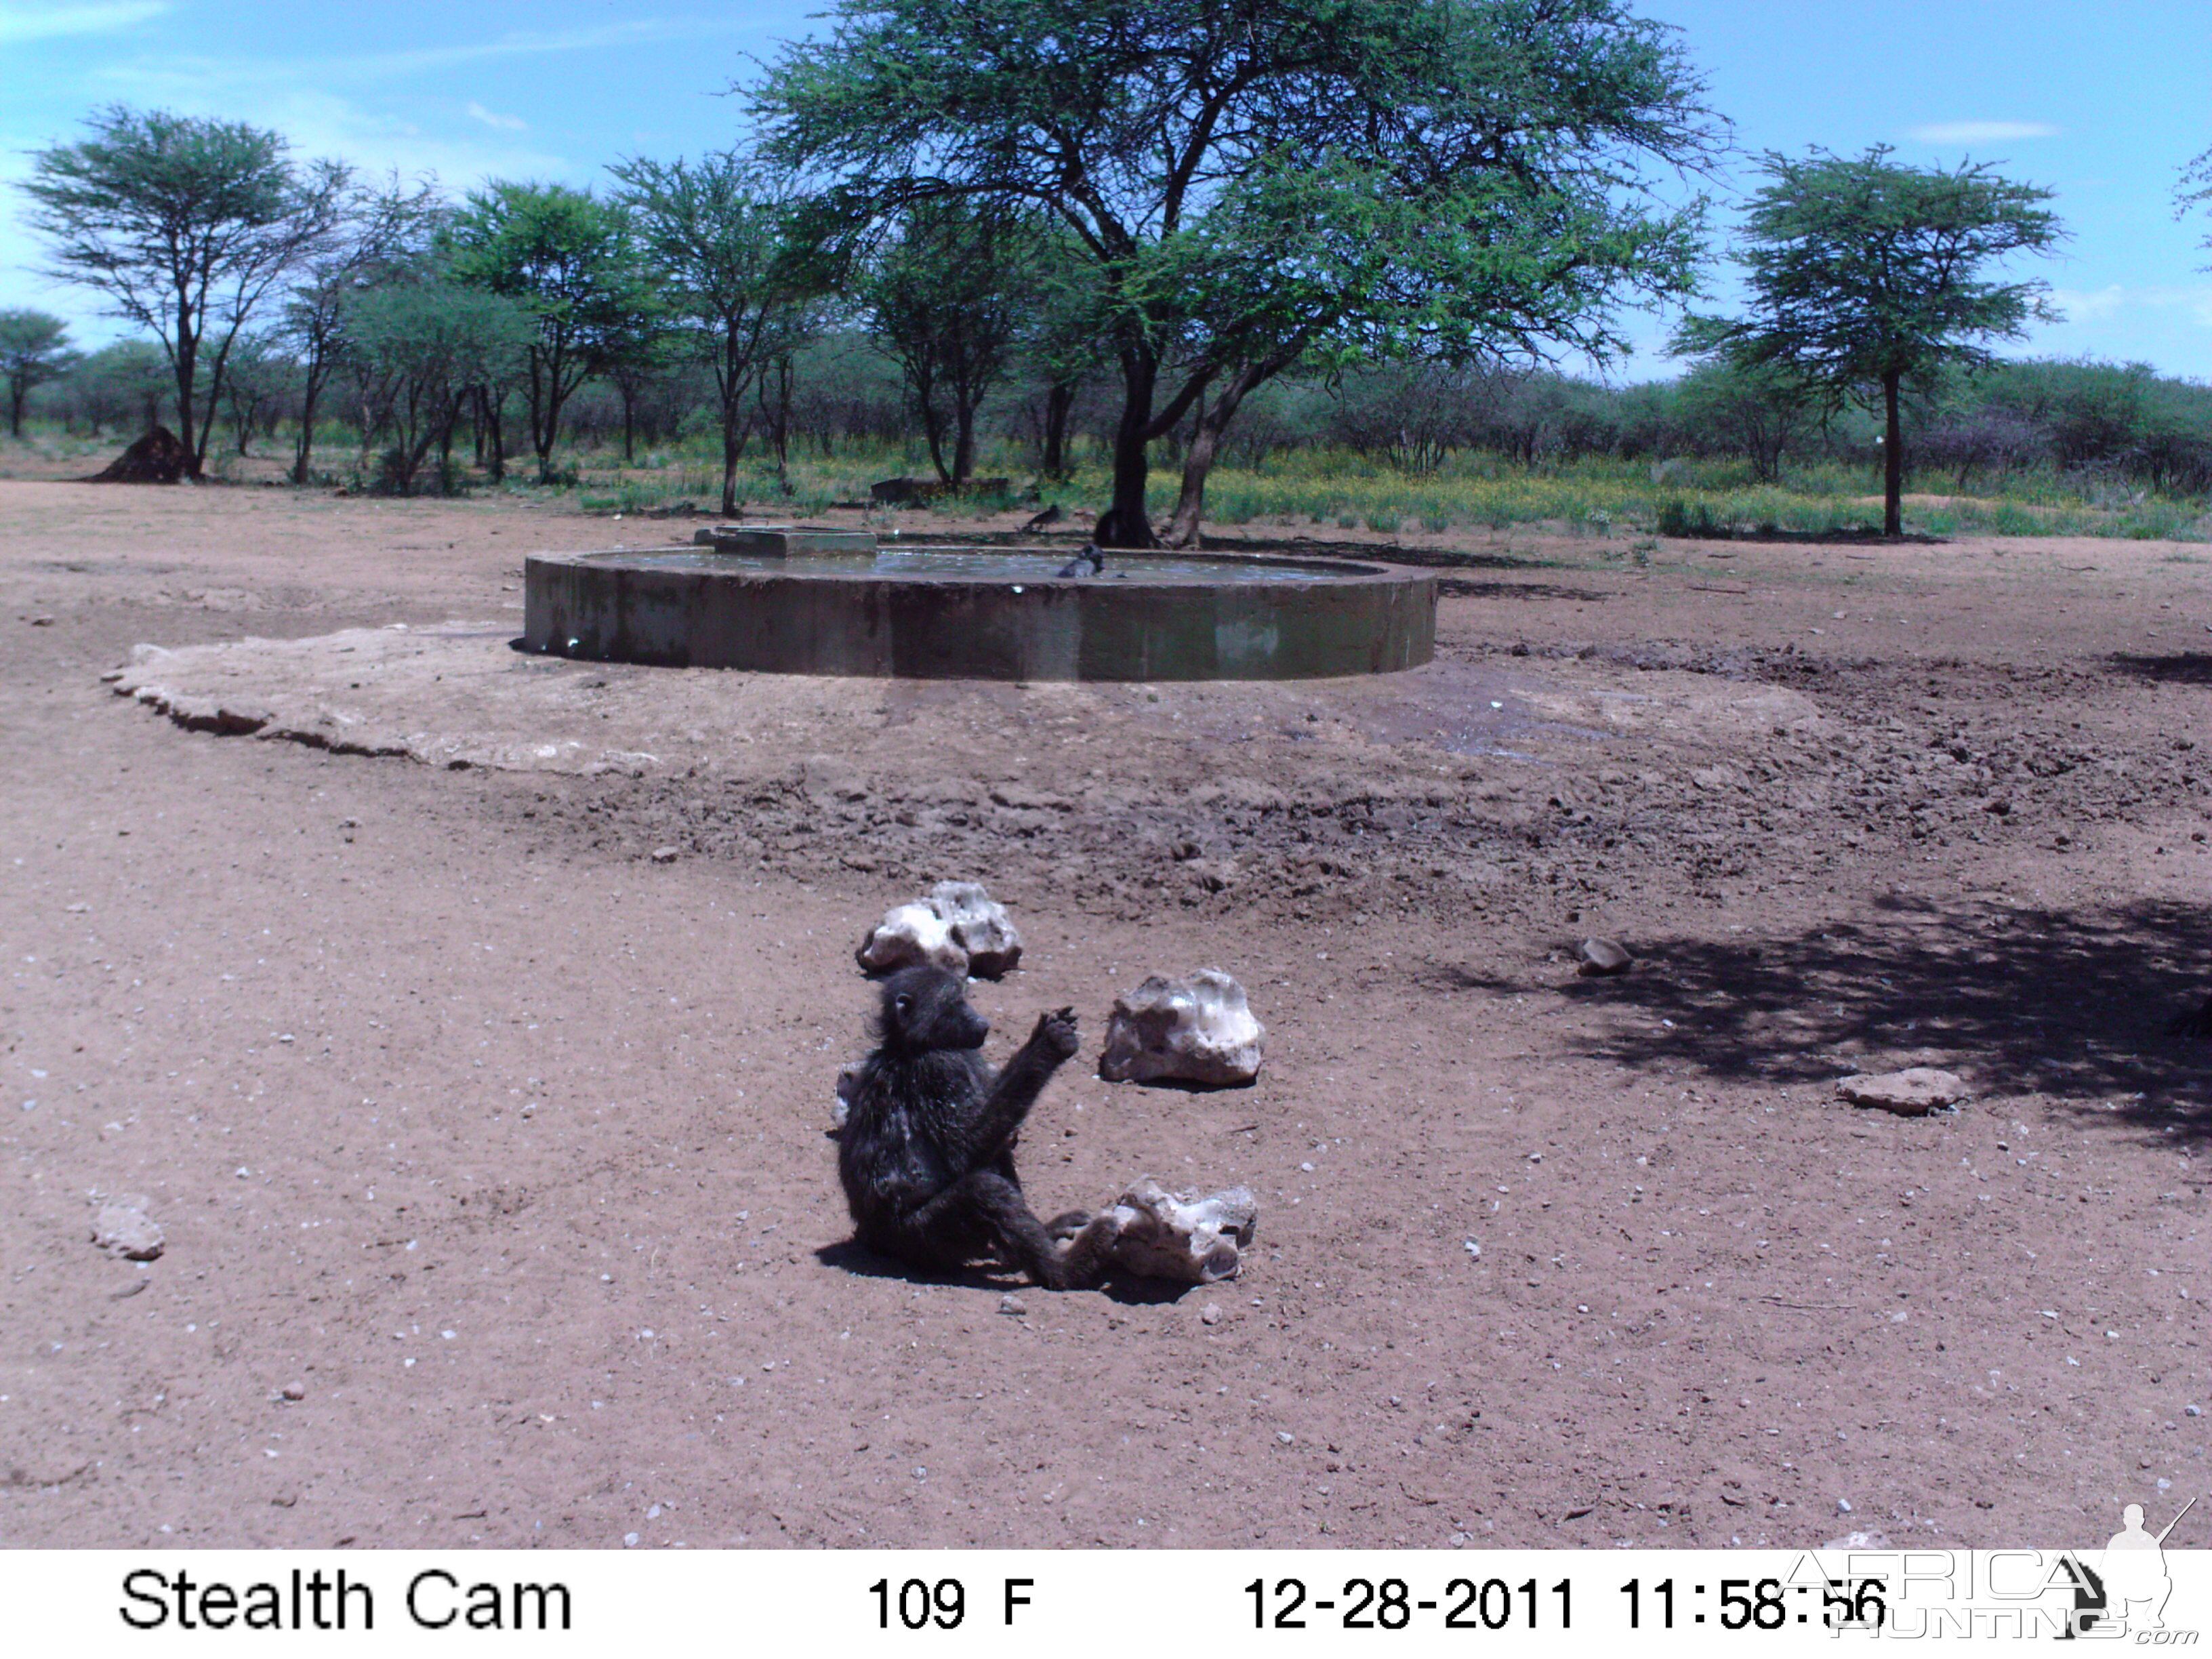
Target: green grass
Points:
(1595, 498)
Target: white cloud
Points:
(504, 123)
(172, 75)
(1980, 132)
(2193, 300)
(321, 122)
(20, 23)
(2089, 304)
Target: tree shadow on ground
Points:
(2086, 1007)
(2175, 668)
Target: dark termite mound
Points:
(160, 457)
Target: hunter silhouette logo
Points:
(2134, 1579)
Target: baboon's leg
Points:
(1030, 1244)
(1083, 1262)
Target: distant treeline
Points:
(2098, 423)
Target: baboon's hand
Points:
(1056, 1032)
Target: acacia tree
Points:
(718, 233)
(1260, 183)
(33, 348)
(1866, 278)
(1062, 343)
(259, 378)
(946, 298)
(421, 349)
(1757, 409)
(570, 260)
(120, 383)
(381, 235)
(185, 225)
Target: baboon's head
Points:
(927, 1008)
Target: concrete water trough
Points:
(979, 613)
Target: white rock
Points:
(959, 927)
(1199, 1240)
(1198, 1030)
(1603, 955)
(979, 926)
(911, 933)
(122, 1228)
(1914, 1092)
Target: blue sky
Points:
(2102, 104)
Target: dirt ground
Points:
(491, 1150)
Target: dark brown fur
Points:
(927, 1153)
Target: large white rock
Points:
(959, 927)
(1168, 1235)
(1197, 1029)
(979, 926)
(911, 933)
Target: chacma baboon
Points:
(926, 1154)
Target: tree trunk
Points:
(775, 415)
(186, 364)
(731, 450)
(1213, 420)
(1058, 405)
(546, 397)
(305, 452)
(964, 443)
(494, 411)
(1893, 459)
(1124, 523)
(932, 431)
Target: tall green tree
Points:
(947, 296)
(121, 383)
(718, 231)
(34, 348)
(185, 225)
(260, 378)
(421, 349)
(1261, 183)
(382, 236)
(1756, 410)
(568, 259)
(1868, 278)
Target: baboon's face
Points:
(927, 1008)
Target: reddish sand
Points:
(502, 1144)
